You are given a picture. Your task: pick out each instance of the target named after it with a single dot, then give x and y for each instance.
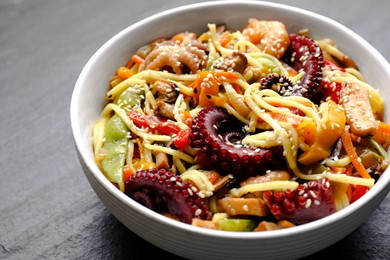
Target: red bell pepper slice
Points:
(357, 192)
(333, 66)
(331, 90)
(181, 137)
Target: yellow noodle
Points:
(98, 134)
(280, 132)
(350, 179)
(243, 45)
(355, 73)
(199, 179)
(179, 164)
(340, 162)
(213, 204)
(271, 185)
(118, 89)
(222, 50)
(234, 112)
(173, 152)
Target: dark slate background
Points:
(47, 208)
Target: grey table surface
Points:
(47, 208)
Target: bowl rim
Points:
(97, 174)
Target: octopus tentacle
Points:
(145, 197)
(189, 55)
(279, 83)
(180, 198)
(218, 137)
(305, 54)
(310, 201)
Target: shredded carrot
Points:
(137, 59)
(350, 149)
(130, 63)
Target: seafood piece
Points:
(163, 109)
(267, 225)
(218, 137)
(180, 198)
(310, 201)
(270, 36)
(166, 91)
(243, 206)
(356, 103)
(304, 54)
(277, 175)
(185, 57)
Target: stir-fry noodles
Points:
(250, 130)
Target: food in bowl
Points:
(242, 130)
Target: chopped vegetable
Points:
(181, 137)
(124, 73)
(206, 86)
(114, 149)
(132, 97)
(356, 102)
(332, 125)
(229, 224)
(357, 191)
(350, 149)
(137, 59)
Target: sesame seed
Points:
(198, 211)
(308, 203)
(313, 194)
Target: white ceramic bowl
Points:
(186, 240)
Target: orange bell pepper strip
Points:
(382, 135)
(332, 126)
(206, 86)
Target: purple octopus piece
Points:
(304, 54)
(180, 198)
(218, 137)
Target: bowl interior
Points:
(92, 84)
